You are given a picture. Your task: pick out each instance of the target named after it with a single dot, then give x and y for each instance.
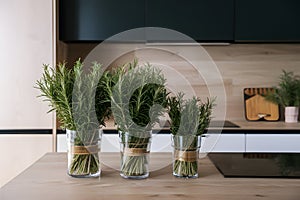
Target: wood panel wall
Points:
(240, 66)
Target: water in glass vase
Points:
(84, 153)
(135, 151)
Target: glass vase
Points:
(185, 155)
(84, 153)
(135, 149)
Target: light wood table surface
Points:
(47, 179)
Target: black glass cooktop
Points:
(213, 124)
(225, 124)
(257, 164)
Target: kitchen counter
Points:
(47, 179)
(266, 125)
(241, 126)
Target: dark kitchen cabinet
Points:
(267, 20)
(97, 20)
(203, 20)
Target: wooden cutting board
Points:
(257, 107)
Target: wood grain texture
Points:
(265, 125)
(240, 65)
(243, 125)
(257, 107)
(47, 179)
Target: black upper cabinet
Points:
(97, 20)
(202, 20)
(267, 20)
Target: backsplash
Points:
(252, 65)
(240, 66)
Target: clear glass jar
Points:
(185, 155)
(84, 153)
(135, 150)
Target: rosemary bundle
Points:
(134, 155)
(137, 100)
(82, 105)
(189, 119)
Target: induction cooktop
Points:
(213, 124)
(225, 124)
(257, 164)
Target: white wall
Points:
(25, 44)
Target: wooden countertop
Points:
(47, 179)
(266, 125)
(243, 125)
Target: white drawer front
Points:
(273, 143)
(110, 143)
(223, 143)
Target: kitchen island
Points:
(47, 179)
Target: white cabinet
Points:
(273, 142)
(26, 43)
(160, 143)
(19, 151)
(226, 142)
(110, 143)
(223, 143)
(61, 143)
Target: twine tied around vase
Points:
(135, 151)
(84, 150)
(186, 156)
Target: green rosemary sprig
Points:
(56, 87)
(82, 104)
(135, 97)
(189, 119)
